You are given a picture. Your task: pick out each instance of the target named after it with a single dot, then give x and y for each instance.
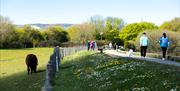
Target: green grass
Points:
(13, 71)
(90, 71)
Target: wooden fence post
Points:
(50, 74)
(57, 57)
(54, 64)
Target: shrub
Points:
(102, 42)
(49, 43)
(129, 45)
(131, 31)
(173, 25)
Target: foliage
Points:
(129, 45)
(8, 35)
(56, 33)
(96, 29)
(101, 43)
(154, 37)
(131, 31)
(28, 36)
(173, 25)
(99, 23)
(12, 37)
(107, 29)
(80, 33)
(113, 26)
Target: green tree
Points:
(13, 37)
(173, 25)
(74, 34)
(99, 24)
(30, 36)
(36, 37)
(55, 35)
(113, 26)
(106, 29)
(131, 31)
(8, 34)
(80, 33)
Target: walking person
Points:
(95, 45)
(110, 46)
(144, 41)
(164, 43)
(91, 45)
(115, 46)
(88, 45)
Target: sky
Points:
(79, 11)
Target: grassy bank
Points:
(90, 71)
(13, 71)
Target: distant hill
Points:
(43, 26)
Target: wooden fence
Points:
(54, 62)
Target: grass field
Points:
(13, 71)
(90, 71)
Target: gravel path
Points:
(114, 53)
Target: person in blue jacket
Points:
(164, 43)
(144, 41)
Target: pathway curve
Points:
(115, 53)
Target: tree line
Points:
(103, 30)
(12, 36)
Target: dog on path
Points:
(130, 53)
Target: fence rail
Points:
(54, 62)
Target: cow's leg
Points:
(28, 69)
(31, 69)
(35, 69)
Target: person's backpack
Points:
(164, 42)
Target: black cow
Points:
(31, 62)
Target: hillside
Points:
(43, 26)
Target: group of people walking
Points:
(163, 41)
(113, 46)
(144, 42)
(91, 45)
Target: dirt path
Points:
(114, 53)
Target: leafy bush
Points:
(131, 31)
(129, 45)
(173, 25)
(56, 33)
(80, 33)
(101, 42)
(49, 43)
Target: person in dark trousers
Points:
(144, 41)
(88, 45)
(164, 43)
(115, 46)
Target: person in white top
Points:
(110, 45)
(144, 42)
